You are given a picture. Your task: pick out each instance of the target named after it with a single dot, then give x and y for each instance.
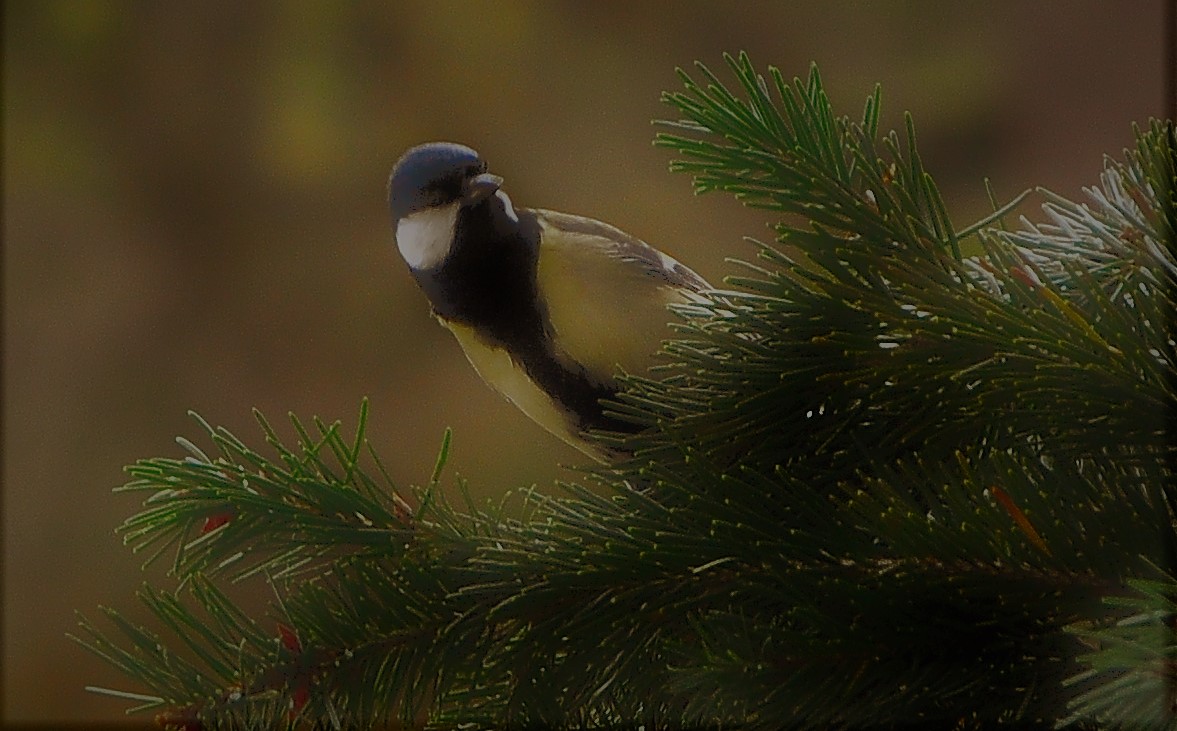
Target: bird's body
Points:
(548, 307)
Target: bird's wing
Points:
(606, 294)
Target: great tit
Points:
(547, 306)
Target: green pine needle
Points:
(882, 484)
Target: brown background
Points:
(194, 218)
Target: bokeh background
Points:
(194, 218)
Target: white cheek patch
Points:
(425, 237)
(507, 207)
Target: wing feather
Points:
(595, 281)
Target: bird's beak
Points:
(482, 186)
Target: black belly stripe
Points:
(578, 395)
(488, 283)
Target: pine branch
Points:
(883, 485)
(1131, 672)
(244, 512)
(874, 332)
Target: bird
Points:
(549, 308)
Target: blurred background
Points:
(194, 218)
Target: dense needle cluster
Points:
(897, 474)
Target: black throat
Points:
(488, 282)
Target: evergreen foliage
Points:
(884, 485)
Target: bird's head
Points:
(429, 187)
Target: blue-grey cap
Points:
(431, 174)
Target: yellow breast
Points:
(603, 297)
(500, 371)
